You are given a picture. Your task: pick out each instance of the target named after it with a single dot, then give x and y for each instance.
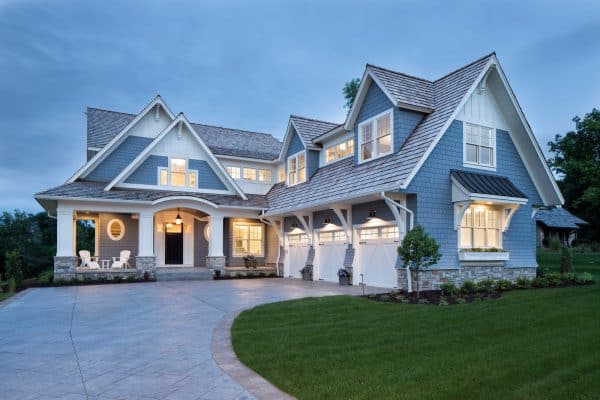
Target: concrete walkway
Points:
(129, 341)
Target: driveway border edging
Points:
(226, 359)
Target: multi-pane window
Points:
(369, 233)
(247, 239)
(383, 232)
(281, 173)
(298, 239)
(480, 228)
(479, 145)
(332, 236)
(234, 172)
(264, 175)
(250, 174)
(340, 150)
(297, 169)
(389, 232)
(177, 172)
(375, 137)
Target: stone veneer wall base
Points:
(215, 263)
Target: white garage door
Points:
(377, 255)
(332, 250)
(297, 254)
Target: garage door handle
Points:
(363, 242)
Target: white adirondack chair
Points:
(87, 261)
(122, 261)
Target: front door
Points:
(173, 244)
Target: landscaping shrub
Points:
(448, 289)
(131, 278)
(504, 285)
(468, 287)
(555, 244)
(87, 280)
(460, 300)
(540, 282)
(583, 278)
(554, 279)
(568, 277)
(566, 263)
(117, 279)
(423, 300)
(12, 285)
(262, 274)
(146, 276)
(14, 267)
(59, 282)
(73, 281)
(443, 301)
(272, 274)
(239, 275)
(541, 271)
(523, 283)
(486, 286)
(595, 247)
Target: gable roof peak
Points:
(367, 66)
(492, 54)
(295, 116)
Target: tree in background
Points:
(419, 251)
(350, 90)
(14, 268)
(33, 236)
(577, 163)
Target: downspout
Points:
(390, 202)
(265, 221)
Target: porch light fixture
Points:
(327, 221)
(178, 218)
(294, 225)
(372, 214)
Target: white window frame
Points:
(373, 121)
(249, 169)
(232, 167)
(298, 239)
(334, 147)
(234, 251)
(270, 172)
(471, 164)
(187, 175)
(289, 159)
(500, 224)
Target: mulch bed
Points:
(431, 297)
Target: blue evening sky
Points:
(249, 64)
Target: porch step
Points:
(183, 274)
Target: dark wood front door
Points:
(173, 244)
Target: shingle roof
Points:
(558, 217)
(103, 125)
(405, 88)
(345, 178)
(309, 129)
(488, 184)
(95, 190)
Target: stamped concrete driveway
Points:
(129, 341)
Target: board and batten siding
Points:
(118, 159)
(112, 248)
(434, 197)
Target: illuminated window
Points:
(296, 169)
(375, 137)
(164, 176)
(248, 239)
(383, 232)
(250, 174)
(264, 175)
(234, 172)
(177, 172)
(192, 179)
(479, 145)
(339, 151)
(480, 228)
(332, 236)
(281, 173)
(390, 232)
(298, 239)
(369, 233)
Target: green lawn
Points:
(533, 344)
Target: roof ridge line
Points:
(111, 111)
(234, 129)
(314, 119)
(493, 53)
(399, 73)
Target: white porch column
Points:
(65, 234)
(216, 258)
(215, 241)
(146, 235)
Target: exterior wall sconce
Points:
(327, 221)
(294, 225)
(372, 214)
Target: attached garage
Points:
(331, 252)
(297, 254)
(377, 255)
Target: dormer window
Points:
(339, 151)
(375, 136)
(177, 174)
(297, 168)
(479, 146)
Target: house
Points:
(556, 223)
(455, 155)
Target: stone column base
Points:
(146, 264)
(64, 267)
(215, 262)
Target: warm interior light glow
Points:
(178, 219)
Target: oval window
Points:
(115, 229)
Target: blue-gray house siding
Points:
(295, 146)
(207, 178)
(376, 102)
(434, 197)
(147, 172)
(118, 159)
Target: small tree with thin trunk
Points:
(419, 251)
(350, 90)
